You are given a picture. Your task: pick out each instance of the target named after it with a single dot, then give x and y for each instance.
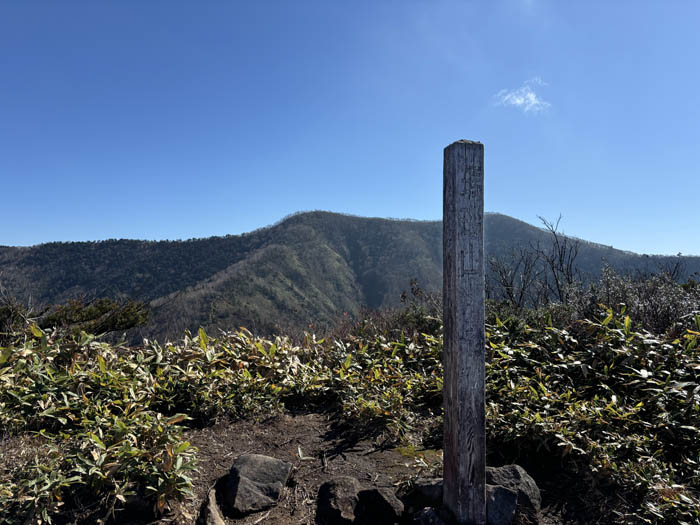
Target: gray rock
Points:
(212, 514)
(337, 500)
(255, 483)
(423, 493)
(378, 505)
(500, 505)
(515, 478)
(343, 501)
(512, 496)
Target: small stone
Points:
(255, 483)
(500, 505)
(212, 514)
(515, 477)
(423, 493)
(378, 505)
(337, 500)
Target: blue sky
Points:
(172, 119)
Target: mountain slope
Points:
(309, 268)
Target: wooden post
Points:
(464, 451)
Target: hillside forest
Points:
(310, 269)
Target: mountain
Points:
(310, 268)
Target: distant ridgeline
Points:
(310, 268)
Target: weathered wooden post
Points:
(463, 317)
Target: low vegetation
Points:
(607, 394)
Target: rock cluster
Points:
(255, 483)
(512, 496)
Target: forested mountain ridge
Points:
(309, 268)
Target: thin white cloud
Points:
(537, 81)
(524, 97)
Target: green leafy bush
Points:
(90, 404)
(602, 392)
(624, 401)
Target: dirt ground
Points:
(319, 450)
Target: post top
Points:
(465, 141)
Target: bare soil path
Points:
(311, 443)
(318, 451)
